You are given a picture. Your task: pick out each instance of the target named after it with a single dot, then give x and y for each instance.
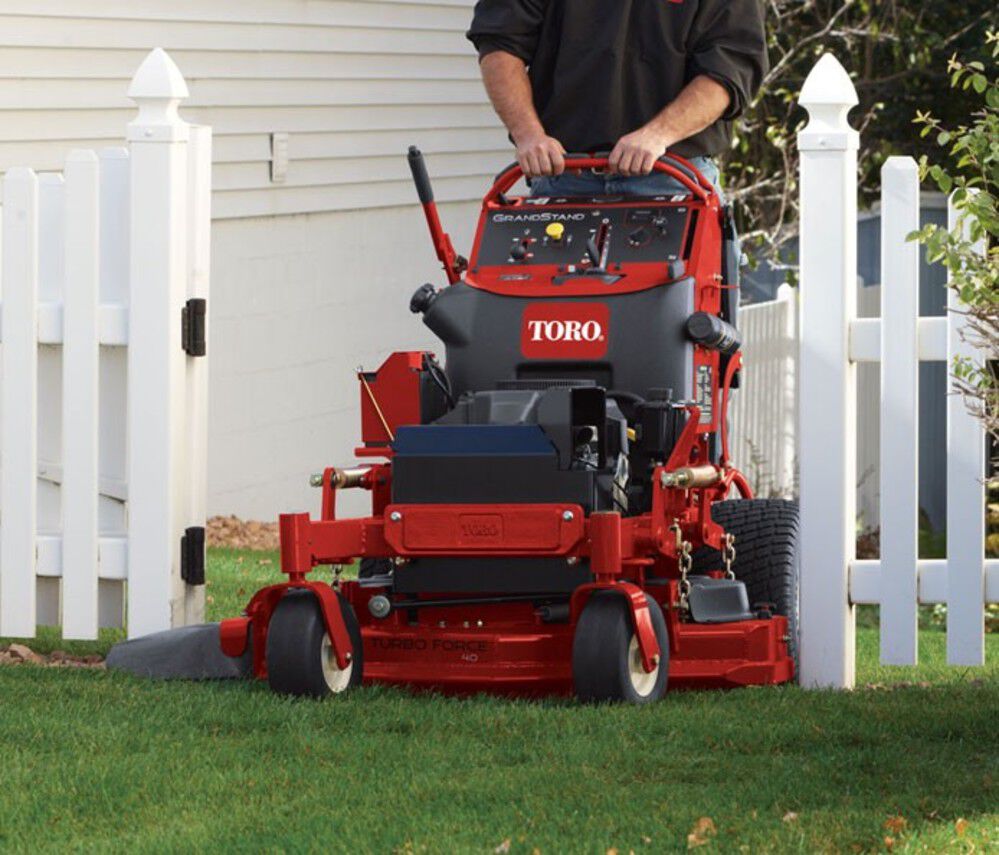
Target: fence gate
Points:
(103, 420)
(832, 341)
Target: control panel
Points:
(575, 236)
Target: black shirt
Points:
(600, 69)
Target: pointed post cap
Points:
(157, 88)
(828, 83)
(828, 95)
(158, 77)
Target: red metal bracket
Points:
(413, 530)
(329, 605)
(234, 633)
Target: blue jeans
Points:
(591, 184)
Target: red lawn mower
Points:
(550, 509)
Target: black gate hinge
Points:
(192, 556)
(192, 326)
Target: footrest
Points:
(718, 600)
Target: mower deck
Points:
(513, 652)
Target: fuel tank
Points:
(629, 342)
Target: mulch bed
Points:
(20, 654)
(234, 533)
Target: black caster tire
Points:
(766, 554)
(606, 661)
(299, 654)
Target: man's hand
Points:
(702, 102)
(509, 89)
(540, 154)
(636, 153)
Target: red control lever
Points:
(453, 263)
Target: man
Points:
(636, 77)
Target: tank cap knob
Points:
(422, 299)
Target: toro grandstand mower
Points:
(549, 507)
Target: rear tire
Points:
(606, 660)
(766, 554)
(299, 654)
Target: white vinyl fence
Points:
(764, 415)
(103, 420)
(833, 340)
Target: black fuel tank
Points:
(630, 342)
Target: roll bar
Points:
(669, 164)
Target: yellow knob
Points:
(555, 231)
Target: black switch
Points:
(519, 252)
(638, 237)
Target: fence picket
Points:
(114, 227)
(51, 277)
(19, 396)
(965, 503)
(899, 412)
(763, 417)
(80, 398)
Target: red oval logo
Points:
(565, 330)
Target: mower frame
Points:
(464, 643)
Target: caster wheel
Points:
(300, 657)
(606, 660)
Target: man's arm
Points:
(509, 89)
(700, 103)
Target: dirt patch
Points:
(234, 533)
(21, 654)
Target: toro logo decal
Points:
(476, 528)
(565, 330)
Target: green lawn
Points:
(91, 760)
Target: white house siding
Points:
(311, 276)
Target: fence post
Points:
(80, 367)
(196, 405)
(157, 276)
(899, 595)
(965, 496)
(19, 395)
(827, 380)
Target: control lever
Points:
(598, 248)
(453, 263)
(593, 251)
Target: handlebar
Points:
(669, 164)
